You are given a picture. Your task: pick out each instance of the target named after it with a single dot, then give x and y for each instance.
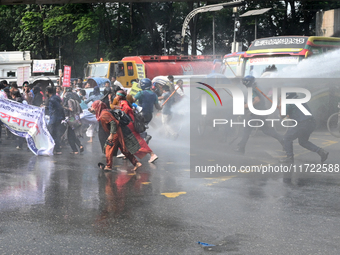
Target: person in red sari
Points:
(127, 108)
(116, 138)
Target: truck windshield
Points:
(256, 66)
(231, 65)
(99, 70)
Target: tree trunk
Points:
(285, 20)
(131, 20)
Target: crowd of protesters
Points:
(82, 109)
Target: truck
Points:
(18, 66)
(129, 69)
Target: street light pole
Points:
(255, 13)
(207, 8)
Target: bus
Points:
(284, 53)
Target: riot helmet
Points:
(248, 81)
(145, 84)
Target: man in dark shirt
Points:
(57, 114)
(302, 131)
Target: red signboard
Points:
(67, 76)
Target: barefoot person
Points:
(127, 144)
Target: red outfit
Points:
(144, 147)
(105, 117)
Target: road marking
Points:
(173, 194)
(146, 183)
(329, 142)
(218, 180)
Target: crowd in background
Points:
(69, 119)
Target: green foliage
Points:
(85, 27)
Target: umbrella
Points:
(97, 81)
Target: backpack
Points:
(139, 123)
(121, 116)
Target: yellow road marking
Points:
(218, 180)
(173, 194)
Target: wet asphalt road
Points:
(66, 205)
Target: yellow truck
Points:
(129, 69)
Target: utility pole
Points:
(60, 70)
(234, 47)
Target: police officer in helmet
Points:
(259, 104)
(147, 100)
(305, 126)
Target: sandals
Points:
(103, 167)
(81, 148)
(74, 152)
(106, 168)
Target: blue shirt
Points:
(147, 99)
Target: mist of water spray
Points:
(319, 66)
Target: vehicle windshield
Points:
(99, 70)
(230, 66)
(257, 66)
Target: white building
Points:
(328, 23)
(15, 66)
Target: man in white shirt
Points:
(114, 81)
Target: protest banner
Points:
(67, 76)
(27, 121)
(23, 74)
